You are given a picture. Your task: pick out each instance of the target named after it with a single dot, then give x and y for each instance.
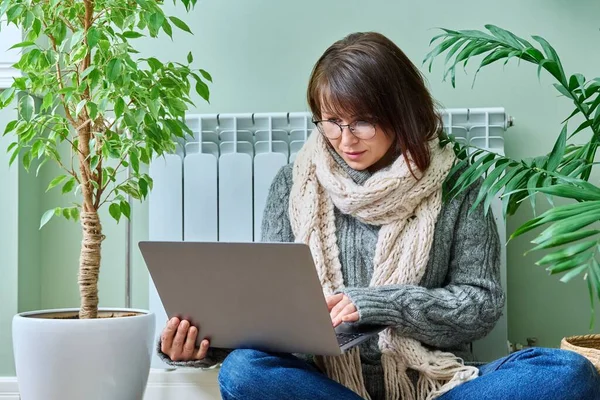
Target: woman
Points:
(365, 194)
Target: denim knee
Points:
(240, 372)
(571, 369)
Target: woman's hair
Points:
(366, 76)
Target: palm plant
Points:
(108, 110)
(564, 172)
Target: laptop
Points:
(265, 296)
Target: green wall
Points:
(260, 54)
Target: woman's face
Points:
(359, 154)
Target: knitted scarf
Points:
(407, 210)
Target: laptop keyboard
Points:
(345, 338)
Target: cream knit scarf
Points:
(407, 210)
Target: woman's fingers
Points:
(347, 310)
(352, 317)
(333, 300)
(202, 350)
(189, 347)
(337, 309)
(168, 334)
(179, 340)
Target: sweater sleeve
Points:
(465, 308)
(276, 225)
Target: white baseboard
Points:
(9, 390)
(181, 384)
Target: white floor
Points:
(183, 384)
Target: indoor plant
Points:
(565, 172)
(88, 103)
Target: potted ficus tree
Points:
(569, 239)
(89, 103)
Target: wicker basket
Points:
(586, 345)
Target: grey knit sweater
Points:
(459, 299)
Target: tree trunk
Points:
(89, 263)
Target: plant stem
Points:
(90, 256)
(89, 264)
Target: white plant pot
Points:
(90, 359)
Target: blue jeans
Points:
(530, 374)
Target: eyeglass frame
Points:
(349, 126)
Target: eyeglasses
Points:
(332, 130)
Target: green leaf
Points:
(569, 252)
(92, 110)
(552, 55)
(69, 185)
(14, 12)
(80, 106)
(570, 224)
(564, 91)
(126, 209)
(473, 173)
(167, 28)
(66, 212)
(36, 27)
(559, 150)
(119, 107)
(113, 69)
(27, 160)
(143, 185)
(532, 184)
(190, 58)
(14, 155)
(504, 35)
(26, 107)
(76, 38)
(94, 160)
(565, 238)
(9, 128)
(7, 95)
(154, 63)
(202, 90)
(493, 57)
(60, 32)
(555, 214)
(590, 286)
(492, 177)
(576, 81)
(573, 273)
(47, 216)
(135, 162)
(115, 211)
(570, 192)
(132, 34)
(180, 24)
(79, 54)
(155, 22)
(56, 181)
(21, 44)
(439, 49)
(585, 124)
(87, 71)
(93, 37)
(569, 263)
(206, 75)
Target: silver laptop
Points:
(265, 296)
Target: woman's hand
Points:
(178, 341)
(341, 309)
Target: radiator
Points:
(215, 187)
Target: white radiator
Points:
(215, 187)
